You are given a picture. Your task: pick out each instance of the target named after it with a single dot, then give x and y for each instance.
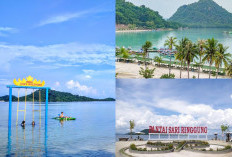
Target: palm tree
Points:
(221, 57)
(145, 47)
(159, 60)
(201, 52)
(190, 53)
(180, 52)
(170, 42)
(223, 129)
(132, 126)
(229, 70)
(124, 53)
(210, 51)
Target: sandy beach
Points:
(183, 153)
(131, 70)
(133, 31)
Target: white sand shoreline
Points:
(131, 70)
(136, 30)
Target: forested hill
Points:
(54, 96)
(204, 13)
(142, 17)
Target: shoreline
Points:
(131, 70)
(65, 101)
(143, 30)
(133, 31)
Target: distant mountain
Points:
(145, 131)
(142, 17)
(54, 96)
(204, 13)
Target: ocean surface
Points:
(92, 134)
(136, 40)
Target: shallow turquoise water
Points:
(136, 40)
(91, 134)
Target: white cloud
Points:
(62, 18)
(98, 72)
(81, 88)
(88, 71)
(69, 16)
(60, 55)
(57, 83)
(5, 82)
(183, 107)
(186, 114)
(88, 77)
(5, 30)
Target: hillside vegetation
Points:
(54, 96)
(142, 17)
(204, 13)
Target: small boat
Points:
(58, 118)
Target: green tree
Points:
(180, 52)
(201, 53)
(221, 57)
(145, 47)
(132, 126)
(147, 73)
(167, 76)
(132, 26)
(124, 53)
(158, 60)
(190, 53)
(170, 42)
(223, 129)
(150, 24)
(228, 70)
(210, 51)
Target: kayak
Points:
(58, 118)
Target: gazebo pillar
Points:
(10, 107)
(46, 108)
(9, 121)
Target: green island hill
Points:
(54, 96)
(204, 13)
(129, 16)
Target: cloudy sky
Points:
(69, 44)
(167, 8)
(173, 103)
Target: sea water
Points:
(135, 40)
(91, 134)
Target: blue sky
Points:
(69, 44)
(173, 102)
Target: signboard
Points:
(29, 81)
(177, 130)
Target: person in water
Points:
(62, 115)
(23, 123)
(33, 123)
